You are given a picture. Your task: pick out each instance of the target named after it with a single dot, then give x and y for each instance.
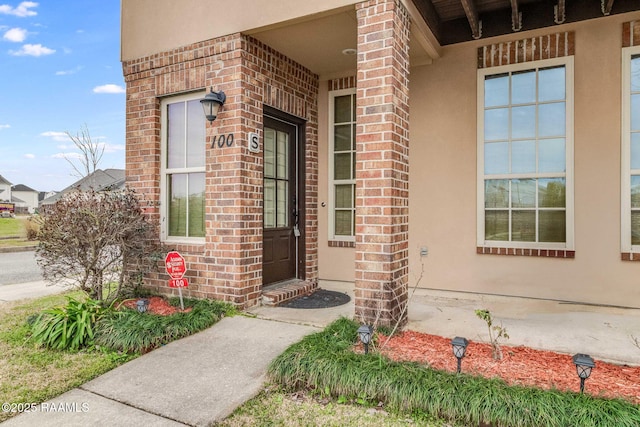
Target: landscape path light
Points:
(142, 305)
(211, 103)
(459, 345)
(364, 333)
(584, 364)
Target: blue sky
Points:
(59, 71)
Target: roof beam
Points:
(516, 17)
(606, 6)
(470, 10)
(559, 12)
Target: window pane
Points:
(496, 124)
(344, 196)
(342, 166)
(177, 205)
(283, 155)
(175, 135)
(635, 73)
(342, 109)
(342, 138)
(635, 191)
(635, 228)
(553, 226)
(523, 226)
(551, 84)
(283, 204)
(496, 90)
(196, 204)
(635, 111)
(496, 193)
(343, 223)
(552, 193)
(552, 155)
(523, 121)
(523, 87)
(635, 151)
(496, 225)
(269, 203)
(523, 193)
(269, 153)
(496, 157)
(523, 156)
(195, 134)
(551, 119)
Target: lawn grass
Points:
(13, 227)
(29, 374)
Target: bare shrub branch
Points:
(90, 153)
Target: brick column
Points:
(382, 162)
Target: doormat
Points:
(321, 298)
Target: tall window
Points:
(631, 150)
(342, 141)
(525, 155)
(183, 178)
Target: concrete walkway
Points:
(28, 290)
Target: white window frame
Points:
(333, 182)
(625, 184)
(164, 171)
(567, 62)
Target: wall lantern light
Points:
(584, 363)
(365, 332)
(211, 103)
(459, 345)
(142, 305)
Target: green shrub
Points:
(131, 332)
(324, 361)
(68, 327)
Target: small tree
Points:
(100, 242)
(90, 153)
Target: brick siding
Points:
(631, 34)
(555, 45)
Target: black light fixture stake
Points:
(364, 333)
(142, 305)
(584, 364)
(459, 345)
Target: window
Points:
(183, 169)
(631, 150)
(525, 155)
(342, 164)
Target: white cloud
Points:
(23, 9)
(110, 88)
(17, 35)
(112, 148)
(5, 126)
(56, 136)
(68, 72)
(66, 156)
(29, 156)
(32, 50)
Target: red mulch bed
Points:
(157, 305)
(519, 366)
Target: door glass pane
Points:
(635, 191)
(635, 112)
(553, 226)
(551, 119)
(269, 203)
(282, 188)
(344, 196)
(635, 150)
(175, 135)
(523, 226)
(523, 193)
(496, 124)
(635, 73)
(177, 205)
(523, 87)
(635, 227)
(342, 166)
(496, 90)
(523, 156)
(342, 138)
(195, 134)
(196, 204)
(283, 155)
(343, 224)
(496, 225)
(552, 155)
(552, 193)
(269, 153)
(496, 193)
(523, 122)
(551, 84)
(496, 158)
(342, 111)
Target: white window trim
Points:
(332, 182)
(569, 153)
(164, 196)
(625, 183)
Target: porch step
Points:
(285, 291)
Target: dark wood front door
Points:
(281, 210)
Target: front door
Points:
(281, 210)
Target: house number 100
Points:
(222, 140)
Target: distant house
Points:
(25, 198)
(5, 190)
(100, 180)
